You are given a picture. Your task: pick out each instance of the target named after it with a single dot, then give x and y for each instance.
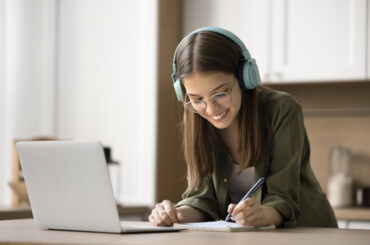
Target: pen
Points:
(249, 193)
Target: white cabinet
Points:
(292, 41)
(318, 40)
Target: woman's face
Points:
(203, 85)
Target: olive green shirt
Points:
(290, 185)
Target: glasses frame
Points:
(211, 99)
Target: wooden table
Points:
(24, 231)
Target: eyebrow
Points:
(216, 88)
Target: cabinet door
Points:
(318, 40)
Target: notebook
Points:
(221, 226)
(69, 187)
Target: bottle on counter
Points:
(340, 188)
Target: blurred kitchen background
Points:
(100, 69)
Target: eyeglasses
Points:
(200, 106)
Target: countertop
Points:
(362, 214)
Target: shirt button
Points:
(225, 180)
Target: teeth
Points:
(220, 116)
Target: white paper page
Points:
(221, 224)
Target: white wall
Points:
(107, 84)
(27, 86)
(30, 63)
(82, 69)
(2, 100)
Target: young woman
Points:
(236, 131)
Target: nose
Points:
(211, 108)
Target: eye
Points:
(196, 101)
(219, 95)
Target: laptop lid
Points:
(68, 185)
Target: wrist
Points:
(271, 216)
(190, 214)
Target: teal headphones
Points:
(248, 74)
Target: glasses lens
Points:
(200, 106)
(197, 106)
(222, 99)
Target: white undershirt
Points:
(239, 186)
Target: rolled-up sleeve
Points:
(203, 199)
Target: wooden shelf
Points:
(139, 213)
(133, 212)
(345, 98)
(15, 213)
(362, 214)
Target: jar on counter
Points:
(340, 188)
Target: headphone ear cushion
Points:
(248, 74)
(178, 91)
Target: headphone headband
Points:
(218, 30)
(249, 71)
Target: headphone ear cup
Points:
(249, 76)
(241, 75)
(178, 91)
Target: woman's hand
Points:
(250, 213)
(247, 213)
(165, 214)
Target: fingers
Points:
(164, 214)
(170, 211)
(243, 205)
(252, 220)
(155, 217)
(180, 216)
(231, 207)
(247, 213)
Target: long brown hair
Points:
(209, 51)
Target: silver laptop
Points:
(69, 187)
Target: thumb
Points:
(231, 207)
(180, 216)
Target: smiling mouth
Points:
(220, 116)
